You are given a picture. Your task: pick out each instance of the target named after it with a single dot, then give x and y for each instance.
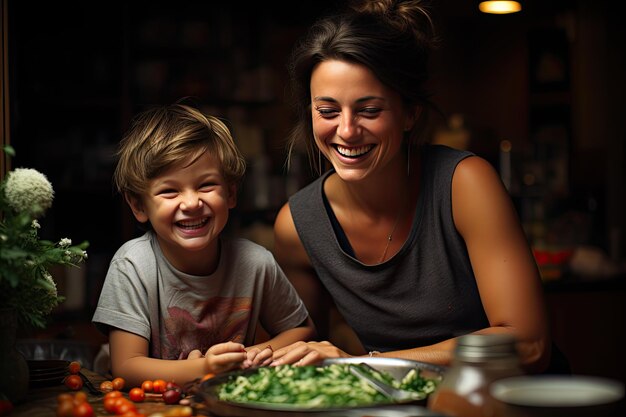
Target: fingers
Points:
(195, 354)
(225, 356)
(258, 357)
(225, 347)
(302, 354)
(279, 353)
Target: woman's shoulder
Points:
(438, 151)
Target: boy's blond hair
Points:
(162, 137)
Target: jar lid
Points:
(486, 346)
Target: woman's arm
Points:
(130, 360)
(506, 273)
(294, 261)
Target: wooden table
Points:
(42, 402)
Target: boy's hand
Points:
(258, 357)
(223, 357)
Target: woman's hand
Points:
(257, 356)
(306, 353)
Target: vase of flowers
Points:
(28, 292)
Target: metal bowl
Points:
(398, 368)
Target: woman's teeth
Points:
(354, 152)
(192, 224)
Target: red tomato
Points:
(118, 383)
(146, 386)
(172, 385)
(83, 410)
(113, 394)
(123, 405)
(65, 409)
(73, 382)
(158, 386)
(64, 396)
(80, 397)
(74, 367)
(137, 395)
(106, 386)
(110, 404)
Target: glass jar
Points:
(478, 361)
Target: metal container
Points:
(398, 368)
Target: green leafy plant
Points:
(25, 260)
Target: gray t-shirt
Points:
(424, 294)
(177, 312)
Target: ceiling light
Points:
(499, 7)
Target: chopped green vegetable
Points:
(317, 386)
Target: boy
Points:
(182, 291)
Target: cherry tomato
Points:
(146, 386)
(65, 396)
(158, 386)
(106, 386)
(124, 406)
(65, 409)
(80, 397)
(83, 410)
(73, 382)
(110, 404)
(171, 396)
(74, 367)
(113, 394)
(137, 395)
(118, 383)
(172, 385)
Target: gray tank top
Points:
(426, 293)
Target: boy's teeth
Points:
(354, 152)
(192, 223)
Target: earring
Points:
(319, 162)
(408, 158)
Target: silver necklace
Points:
(390, 237)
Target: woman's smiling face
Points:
(358, 122)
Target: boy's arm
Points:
(130, 360)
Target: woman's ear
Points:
(137, 207)
(411, 117)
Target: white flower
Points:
(35, 224)
(53, 285)
(65, 242)
(28, 190)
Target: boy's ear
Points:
(232, 196)
(137, 207)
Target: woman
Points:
(416, 244)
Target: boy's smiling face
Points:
(188, 207)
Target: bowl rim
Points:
(599, 390)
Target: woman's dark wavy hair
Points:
(393, 38)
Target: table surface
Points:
(42, 401)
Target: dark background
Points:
(548, 79)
